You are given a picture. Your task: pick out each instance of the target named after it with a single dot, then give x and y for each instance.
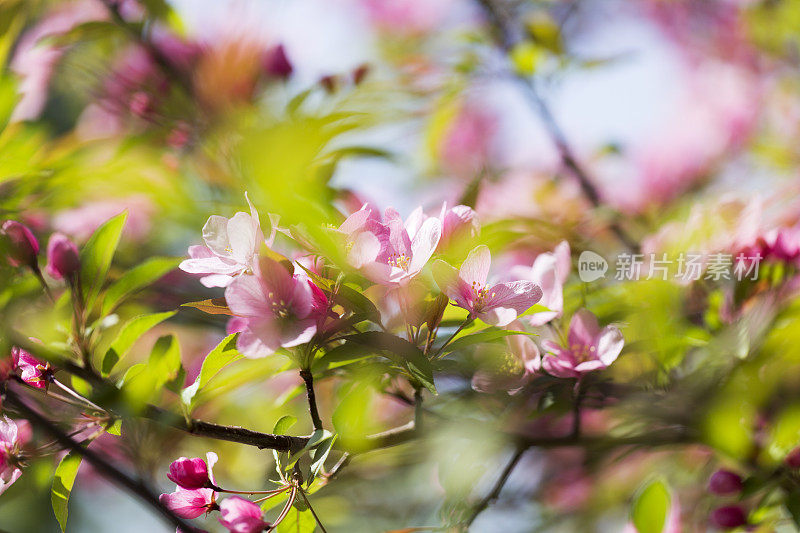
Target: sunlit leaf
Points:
(63, 481)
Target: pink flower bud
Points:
(728, 517)
(189, 503)
(62, 257)
(241, 516)
(725, 482)
(276, 64)
(792, 460)
(189, 473)
(19, 244)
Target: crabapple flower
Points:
(590, 348)
(387, 251)
(32, 371)
(19, 244)
(192, 473)
(187, 503)
(498, 304)
(231, 248)
(13, 436)
(278, 306)
(550, 271)
(241, 516)
(63, 261)
(458, 222)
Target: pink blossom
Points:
(466, 145)
(459, 223)
(189, 473)
(590, 348)
(550, 271)
(499, 304)
(13, 436)
(387, 251)
(62, 257)
(19, 244)
(189, 503)
(81, 222)
(231, 248)
(278, 306)
(32, 371)
(405, 16)
(241, 516)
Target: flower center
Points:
(481, 293)
(399, 261)
(279, 307)
(583, 353)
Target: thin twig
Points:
(498, 486)
(103, 466)
(314, 513)
(508, 35)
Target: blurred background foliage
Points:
(137, 106)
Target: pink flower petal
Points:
(475, 268)
(583, 328)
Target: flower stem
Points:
(314, 513)
(77, 396)
(438, 353)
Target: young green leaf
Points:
(63, 481)
(96, 256)
(649, 513)
(135, 279)
(222, 355)
(298, 521)
(128, 335)
(484, 336)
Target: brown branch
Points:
(498, 486)
(308, 379)
(508, 35)
(102, 465)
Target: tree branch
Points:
(507, 35)
(498, 486)
(103, 466)
(308, 379)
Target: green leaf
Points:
(298, 521)
(96, 256)
(63, 481)
(400, 351)
(222, 355)
(792, 504)
(353, 300)
(128, 335)
(481, 337)
(649, 513)
(284, 424)
(135, 279)
(115, 428)
(162, 366)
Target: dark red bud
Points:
(725, 482)
(63, 261)
(19, 244)
(277, 64)
(728, 517)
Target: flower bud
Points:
(728, 517)
(189, 473)
(63, 261)
(276, 64)
(725, 482)
(792, 460)
(242, 516)
(19, 244)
